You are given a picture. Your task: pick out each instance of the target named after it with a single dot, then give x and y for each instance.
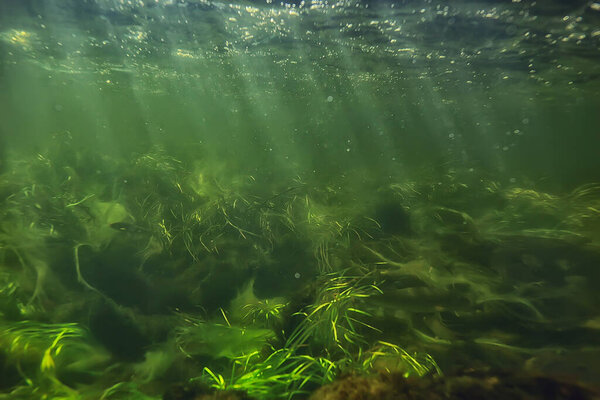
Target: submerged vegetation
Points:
(155, 271)
(318, 199)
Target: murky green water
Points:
(264, 196)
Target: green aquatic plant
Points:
(10, 306)
(125, 391)
(283, 374)
(314, 214)
(24, 338)
(211, 216)
(583, 205)
(200, 338)
(32, 262)
(264, 312)
(327, 342)
(576, 212)
(197, 211)
(336, 321)
(389, 357)
(38, 350)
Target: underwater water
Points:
(199, 196)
